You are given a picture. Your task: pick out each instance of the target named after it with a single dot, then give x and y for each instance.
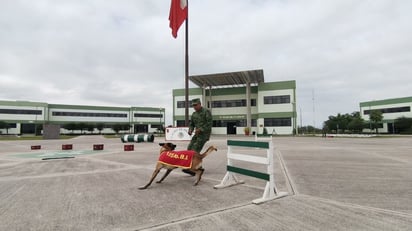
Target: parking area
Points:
(332, 184)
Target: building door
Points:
(141, 128)
(391, 128)
(27, 128)
(231, 128)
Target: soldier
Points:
(201, 125)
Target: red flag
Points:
(177, 15)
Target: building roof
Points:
(240, 78)
(386, 101)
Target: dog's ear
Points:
(171, 146)
(161, 144)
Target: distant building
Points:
(391, 109)
(241, 99)
(22, 117)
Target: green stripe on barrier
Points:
(251, 144)
(247, 172)
(262, 135)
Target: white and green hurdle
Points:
(230, 179)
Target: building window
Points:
(20, 111)
(223, 103)
(239, 123)
(155, 126)
(12, 125)
(181, 104)
(232, 103)
(143, 115)
(279, 99)
(180, 123)
(277, 122)
(89, 114)
(389, 110)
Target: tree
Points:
(376, 117)
(82, 126)
(356, 124)
(38, 129)
(126, 127)
(120, 127)
(90, 127)
(339, 122)
(4, 125)
(331, 123)
(117, 128)
(100, 126)
(70, 127)
(404, 125)
(344, 123)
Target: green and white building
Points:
(241, 99)
(391, 109)
(22, 117)
(236, 100)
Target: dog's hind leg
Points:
(199, 174)
(164, 176)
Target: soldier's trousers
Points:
(197, 143)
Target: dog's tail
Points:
(207, 152)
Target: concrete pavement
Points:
(333, 184)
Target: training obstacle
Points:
(128, 147)
(67, 146)
(137, 138)
(260, 137)
(35, 147)
(98, 147)
(230, 179)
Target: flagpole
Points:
(187, 67)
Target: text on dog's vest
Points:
(177, 156)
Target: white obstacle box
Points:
(230, 179)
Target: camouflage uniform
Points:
(202, 120)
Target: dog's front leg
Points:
(164, 176)
(156, 171)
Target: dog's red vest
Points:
(181, 159)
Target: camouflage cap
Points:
(195, 101)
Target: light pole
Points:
(300, 110)
(370, 125)
(294, 118)
(160, 121)
(35, 123)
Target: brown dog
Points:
(196, 166)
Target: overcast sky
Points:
(122, 53)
